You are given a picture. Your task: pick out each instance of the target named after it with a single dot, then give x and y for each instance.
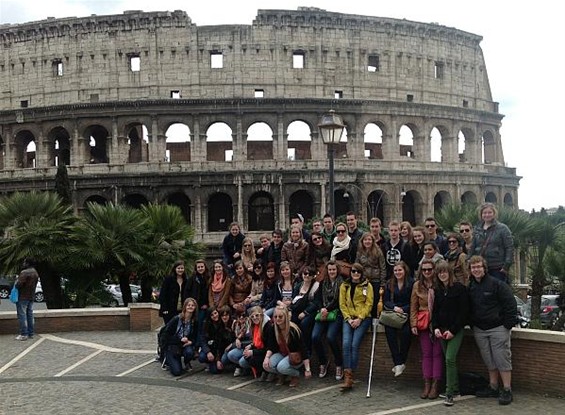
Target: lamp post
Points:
(331, 128)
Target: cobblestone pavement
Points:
(116, 372)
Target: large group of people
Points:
(266, 309)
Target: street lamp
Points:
(331, 128)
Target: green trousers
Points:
(451, 349)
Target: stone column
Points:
(282, 145)
(449, 150)
(239, 200)
(198, 149)
(113, 148)
(197, 211)
(9, 156)
(155, 155)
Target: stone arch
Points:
(182, 201)
(97, 141)
(135, 200)
(25, 149)
(373, 140)
(219, 142)
(2, 152)
(441, 199)
(436, 145)
(100, 200)
(59, 150)
(138, 142)
(301, 202)
(178, 145)
(220, 212)
(469, 198)
(376, 202)
(412, 207)
(261, 212)
(299, 141)
(508, 200)
(465, 137)
(491, 197)
(259, 142)
(406, 136)
(489, 147)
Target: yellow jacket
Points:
(362, 302)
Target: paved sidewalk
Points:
(116, 373)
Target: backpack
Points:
(470, 383)
(162, 344)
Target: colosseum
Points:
(104, 94)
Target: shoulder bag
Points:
(393, 319)
(15, 294)
(332, 316)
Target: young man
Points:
(329, 231)
(440, 240)
(396, 250)
(298, 220)
(466, 231)
(493, 314)
(352, 230)
(26, 283)
(375, 227)
(275, 249)
(317, 226)
(263, 250)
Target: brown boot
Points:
(348, 379)
(434, 393)
(280, 380)
(427, 385)
(293, 381)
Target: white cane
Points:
(375, 324)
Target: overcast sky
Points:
(523, 44)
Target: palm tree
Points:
(449, 217)
(37, 225)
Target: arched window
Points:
(301, 202)
(220, 212)
(135, 200)
(182, 201)
(261, 212)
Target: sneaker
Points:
(505, 396)
(21, 337)
(394, 369)
(323, 371)
(237, 372)
(338, 373)
(399, 370)
(264, 376)
(454, 395)
(448, 400)
(488, 392)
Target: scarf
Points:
(218, 283)
(330, 291)
(340, 246)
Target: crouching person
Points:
(182, 335)
(285, 348)
(254, 353)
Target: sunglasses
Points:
(255, 315)
(355, 271)
(316, 239)
(464, 230)
(430, 226)
(427, 269)
(451, 241)
(340, 231)
(247, 245)
(278, 316)
(305, 273)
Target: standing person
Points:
(406, 231)
(232, 246)
(182, 336)
(248, 254)
(271, 293)
(319, 253)
(353, 231)
(317, 226)
(298, 220)
(295, 251)
(450, 311)
(398, 291)
(457, 259)
(328, 232)
(173, 292)
(440, 241)
(419, 237)
(342, 251)
(421, 301)
(375, 227)
(240, 288)
(493, 241)
(220, 285)
(493, 314)
(371, 258)
(329, 320)
(197, 288)
(263, 250)
(275, 249)
(466, 231)
(26, 283)
(284, 340)
(396, 249)
(355, 303)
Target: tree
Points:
(37, 225)
(449, 217)
(62, 184)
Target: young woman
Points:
(248, 254)
(240, 288)
(431, 252)
(432, 358)
(232, 246)
(286, 284)
(220, 283)
(197, 288)
(182, 336)
(211, 350)
(371, 257)
(457, 259)
(271, 293)
(257, 284)
(285, 348)
(449, 316)
(240, 328)
(173, 292)
(419, 237)
(319, 253)
(330, 321)
(343, 252)
(397, 297)
(254, 353)
(295, 251)
(406, 231)
(355, 302)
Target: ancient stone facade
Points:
(99, 93)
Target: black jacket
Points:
(492, 304)
(451, 308)
(168, 297)
(197, 288)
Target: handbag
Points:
(295, 358)
(423, 320)
(332, 316)
(15, 294)
(393, 319)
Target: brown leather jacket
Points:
(26, 283)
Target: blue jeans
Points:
(24, 308)
(399, 343)
(333, 329)
(351, 341)
(235, 355)
(281, 365)
(175, 362)
(306, 325)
